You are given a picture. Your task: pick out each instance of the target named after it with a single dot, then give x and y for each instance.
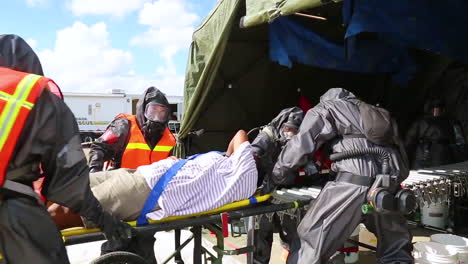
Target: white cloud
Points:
(32, 43)
(104, 7)
(34, 3)
(169, 81)
(83, 60)
(170, 27)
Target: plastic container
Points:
(434, 214)
(454, 244)
(434, 253)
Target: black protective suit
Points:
(266, 148)
(111, 145)
(336, 212)
(50, 138)
(434, 141)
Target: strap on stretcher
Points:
(159, 188)
(228, 207)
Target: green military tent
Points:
(231, 83)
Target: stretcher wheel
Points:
(119, 257)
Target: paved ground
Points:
(84, 253)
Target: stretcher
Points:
(293, 202)
(216, 221)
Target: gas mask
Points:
(288, 132)
(157, 112)
(153, 131)
(156, 116)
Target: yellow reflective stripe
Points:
(6, 97)
(138, 146)
(14, 104)
(144, 146)
(162, 148)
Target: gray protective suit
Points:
(266, 148)
(334, 215)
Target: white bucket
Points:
(434, 253)
(434, 214)
(454, 244)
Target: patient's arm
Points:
(236, 141)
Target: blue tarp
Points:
(439, 26)
(292, 41)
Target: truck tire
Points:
(119, 257)
(88, 137)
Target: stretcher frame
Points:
(215, 221)
(285, 202)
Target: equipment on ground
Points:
(447, 185)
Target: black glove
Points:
(310, 168)
(116, 231)
(266, 188)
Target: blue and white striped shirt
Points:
(204, 183)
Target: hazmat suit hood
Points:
(337, 93)
(151, 130)
(17, 55)
(292, 116)
(269, 142)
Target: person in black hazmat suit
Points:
(336, 212)
(112, 145)
(50, 141)
(266, 148)
(435, 140)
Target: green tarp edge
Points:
(206, 51)
(264, 11)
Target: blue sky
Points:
(95, 45)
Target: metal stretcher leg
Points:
(177, 250)
(178, 257)
(197, 245)
(250, 238)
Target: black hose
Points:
(384, 156)
(254, 129)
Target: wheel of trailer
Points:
(119, 257)
(88, 137)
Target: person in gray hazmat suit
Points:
(266, 148)
(336, 212)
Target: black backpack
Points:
(381, 129)
(378, 124)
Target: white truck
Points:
(95, 111)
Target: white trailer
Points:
(95, 111)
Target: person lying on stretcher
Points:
(206, 182)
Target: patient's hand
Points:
(173, 158)
(56, 209)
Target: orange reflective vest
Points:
(137, 151)
(18, 94)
